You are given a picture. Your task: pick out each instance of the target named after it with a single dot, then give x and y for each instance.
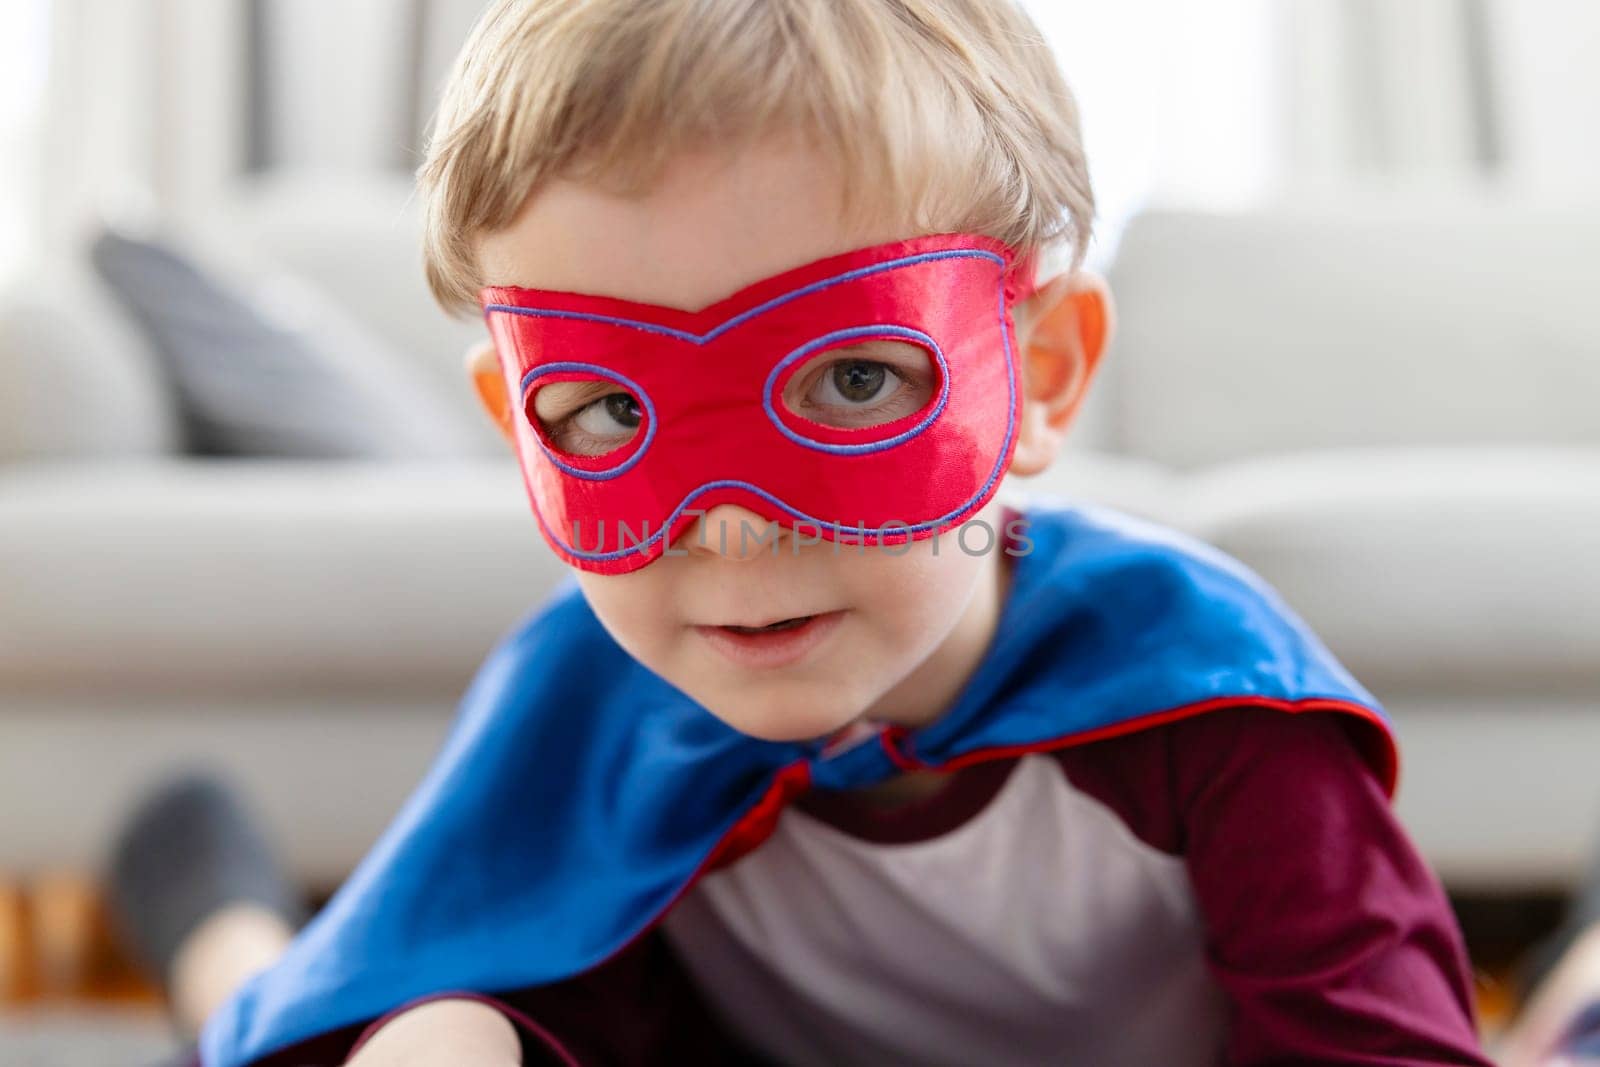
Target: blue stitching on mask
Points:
(746, 316)
(849, 335)
(994, 476)
(604, 372)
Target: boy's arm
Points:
(1331, 937)
(454, 1028)
(639, 1006)
(448, 1030)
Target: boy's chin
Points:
(773, 722)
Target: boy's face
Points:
(890, 632)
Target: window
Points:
(1179, 101)
(24, 46)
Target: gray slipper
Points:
(189, 850)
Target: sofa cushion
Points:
(357, 240)
(1417, 321)
(1427, 570)
(1137, 486)
(75, 381)
(274, 368)
(235, 577)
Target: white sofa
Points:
(1390, 411)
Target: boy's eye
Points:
(858, 381)
(862, 385)
(579, 423)
(610, 414)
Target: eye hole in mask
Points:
(862, 385)
(586, 418)
(858, 390)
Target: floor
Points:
(84, 1037)
(69, 997)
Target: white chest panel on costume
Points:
(1039, 931)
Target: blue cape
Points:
(579, 795)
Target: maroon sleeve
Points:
(1330, 936)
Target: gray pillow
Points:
(276, 373)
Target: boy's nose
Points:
(732, 532)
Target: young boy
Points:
(827, 755)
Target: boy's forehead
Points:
(708, 227)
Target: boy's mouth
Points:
(781, 624)
(773, 644)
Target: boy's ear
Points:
(1063, 330)
(483, 367)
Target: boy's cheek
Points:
(631, 607)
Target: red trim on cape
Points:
(1386, 758)
(761, 818)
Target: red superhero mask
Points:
(868, 397)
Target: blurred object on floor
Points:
(197, 894)
(69, 997)
(57, 946)
(16, 960)
(84, 1036)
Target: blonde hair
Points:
(954, 109)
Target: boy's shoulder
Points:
(1114, 624)
(1133, 583)
(1166, 780)
(1140, 582)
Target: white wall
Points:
(100, 140)
(1220, 104)
(339, 79)
(1180, 101)
(24, 48)
(141, 111)
(1383, 88)
(1551, 96)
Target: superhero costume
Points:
(579, 795)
